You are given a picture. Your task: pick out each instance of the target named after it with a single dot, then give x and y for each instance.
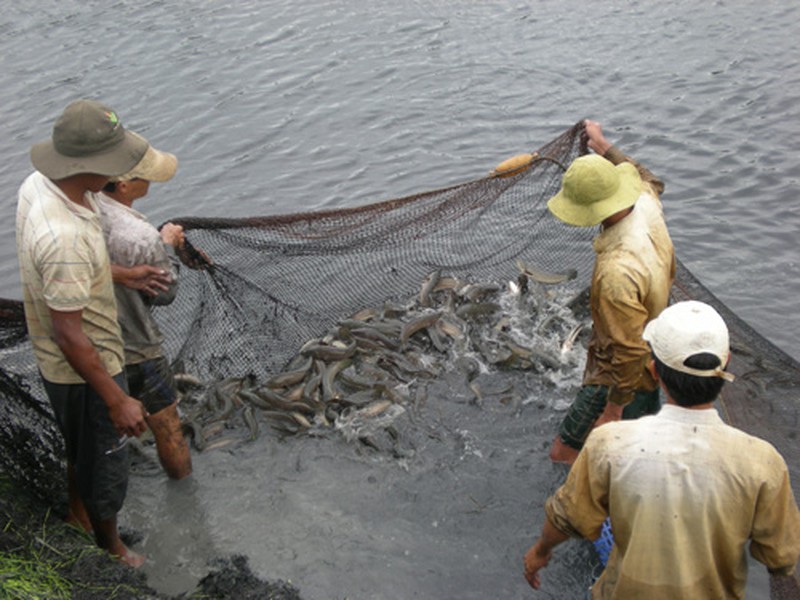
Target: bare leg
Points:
(612, 412)
(107, 536)
(173, 449)
(562, 453)
(76, 513)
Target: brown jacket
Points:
(633, 273)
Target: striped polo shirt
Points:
(64, 266)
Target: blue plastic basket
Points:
(604, 543)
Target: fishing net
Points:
(255, 292)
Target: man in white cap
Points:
(145, 271)
(71, 313)
(686, 493)
(633, 273)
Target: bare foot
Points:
(78, 523)
(131, 558)
(562, 453)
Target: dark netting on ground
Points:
(276, 282)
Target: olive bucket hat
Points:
(593, 189)
(88, 138)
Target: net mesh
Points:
(262, 287)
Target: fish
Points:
(532, 354)
(428, 284)
(474, 310)
(451, 326)
(301, 419)
(282, 421)
(336, 350)
(311, 392)
(193, 429)
(375, 408)
(329, 391)
(418, 324)
(186, 381)
(374, 335)
(437, 339)
(356, 381)
(543, 276)
(221, 443)
(288, 378)
(248, 414)
(448, 283)
(267, 399)
(366, 314)
(475, 292)
(387, 326)
(569, 342)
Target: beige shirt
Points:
(686, 493)
(633, 273)
(64, 266)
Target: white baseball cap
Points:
(685, 329)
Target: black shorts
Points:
(152, 383)
(95, 449)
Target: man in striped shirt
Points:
(71, 312)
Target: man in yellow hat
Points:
(633, 273)
(145, 271)
(71, 313)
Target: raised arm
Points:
(598, 142)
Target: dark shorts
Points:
(95, 449)
(152, 383)
(590, 403)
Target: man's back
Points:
(685, 493)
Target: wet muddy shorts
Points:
(590, 403)
(152, 383)
(98, 453)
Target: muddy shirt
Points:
(133, 241)
(633, 273)
(685, 493)
(64, 266)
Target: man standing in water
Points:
(633, 273)
(145, 272)
(71, 313)
(686, 493)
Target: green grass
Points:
(43, 558)
(26, 579)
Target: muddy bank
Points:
(41, 556)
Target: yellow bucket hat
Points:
(593, 189)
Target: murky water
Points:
(277, 107)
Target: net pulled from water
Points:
(263, 297)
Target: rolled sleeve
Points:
(776, 525)
(616, 156)
(579, 507)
